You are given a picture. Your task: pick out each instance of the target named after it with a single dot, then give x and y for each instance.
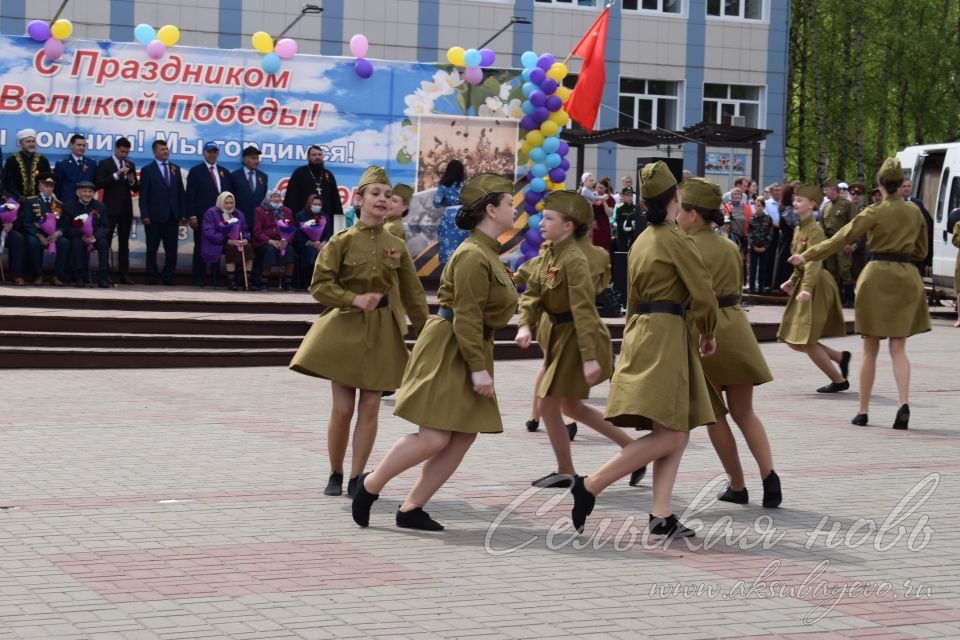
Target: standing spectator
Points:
(876, 197)
(753, 191)
(22, 168)
(685, 175)
(307, 249)
(313, 177)
(602, 208)
(724, 232)
(739, 212)
(249, 184)
(449, 235)
(162, 208)
(628, 222)
(626, 182)
(267, 242)
(117, 176)
(760, 239)
(217, 242)
(788, 222)
(836, 214)
(742, 183)
(925, 266)
(84, 203)
(858, 256)
(35, 240)
(205, 182)
(588, 187)
(73, 169)
(772, 207)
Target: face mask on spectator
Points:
(275, 205)
(316, 208)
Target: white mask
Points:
(316, 208)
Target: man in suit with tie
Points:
(162, 207)
(249, 184)
(77, 167)
(117, 176)
(205, 182)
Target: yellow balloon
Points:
(563, 93)
(560, 117)
(61, 29)
(455, 56)
(549, 128)
(539, 206)
(559, 186)
(262, 42)
(558, 71)
(535, 138)
(169, 35)
(525, 148)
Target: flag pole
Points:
(570, 55)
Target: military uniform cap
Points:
(811, 191)
(403, 190)
(655, 178)
(373, 175)
(480, 186)
(832, 183)
(46, 177)
(571, 204)
(891, 171)
(700, 192)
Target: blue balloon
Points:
(538, 185)
(271, 63)
(525, 74)
(527, 107)
(537, 154)
(539, 170)
(534, 221)
(528, 88)
(145, 34)
(551, 144)
(528, 60)
(472, 58)
(553, 160)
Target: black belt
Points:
(560, 318)
(447, 314)
(384, 301)
(728, 301)
(891, 257)
(659, 307)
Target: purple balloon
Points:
(532, 208)
(537, 75)
(39, 30)
(528, 123)
(487, 56)
(538, 98)
(540, 114)
(473, 75)
(532, 197)
(548, 86)
(558, 175)
(532, 238)
(363, 68)
(564, 164)
(545, 61)
(554, 103)
(563, 148)
(526, 247)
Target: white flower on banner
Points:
(418, 104)
(447, 82)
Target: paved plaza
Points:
(187, 503)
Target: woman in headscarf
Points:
(273, 247)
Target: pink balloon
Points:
(53, 49)
(286, 48)
(359, 45)
(474, 75)
(156, 49)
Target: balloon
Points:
(144, 33)
(363, 68)
(548, 86)
(525, 74)
(537, 98)
(526, 248)
(540, 114)
(61, 29)
(531, 207)
(455, 56)
(169, 35)
(155, 50)
(535, 138)
(551, 144)
(527, 107)
(487, 57)
(553, 160)
(539, 205)
(564, 93)
(262, 42)
(533, 238)
(527, 123)
(554, 103)
(537, 154)
(527, 89)
(560, 117)
(286, 48)
(525, 148)
(539, 170)
(558, 71)
(537, 76)
(473, 75)
(270, 62)
(538, 185)
(564, 148)
(528, 59)
(559, 187)
(53, 49)
(545, 61)
(565, 164)
(531, 197)
(534, 222)
(472, 58)
(549, 128)
(558, 175)
(38, 30)
(359, 45)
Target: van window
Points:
(942, 196)
(954, 195)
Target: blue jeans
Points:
(758, 261)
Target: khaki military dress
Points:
(891, 300)
(437, 389)
(658, 375)
(560, 303)
(395, 226)
(738, 359)
(355, 348)
(822, 315)
(836, 214)
(599, 260)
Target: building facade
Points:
(670, 63)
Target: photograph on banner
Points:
(484, 145)
(725, 162)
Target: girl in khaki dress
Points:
(560, 300)
(738, 364)
(658, 383)
(448, 384)
(366, 279)
(814, 310)
(891, 301)
(399, 207)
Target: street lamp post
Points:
(514, 20)
(308, 9)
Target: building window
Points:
(746, 9)
(649, 104)
(579, 3)
(660, 6)
(721, 102)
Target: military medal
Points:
(552, 273)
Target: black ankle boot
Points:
(736, 497)
(532, 425)
(772, 496)
(417, 519)
(903, 417)
(669, 526)
(637, 476)
(583, 502)
(362, 501)
(860, 420)
(334, 485)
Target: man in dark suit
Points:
(76, 167)
(117, 176)
(249, 184)
(205, 182)
(162, 208)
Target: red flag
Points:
(584, 102)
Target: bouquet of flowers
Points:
(49, 227)
(313, 229)
(233, 232)
(286, 231)
(8, 215)
(84, 222)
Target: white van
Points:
(935, 172)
